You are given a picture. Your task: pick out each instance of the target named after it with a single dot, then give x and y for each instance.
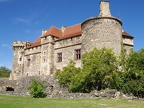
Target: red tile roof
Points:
(37, 42)
(53, 31)
(72, 31)
(68, 32)
(126, 34)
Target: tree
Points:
(4, 72)
(99, 65)
(36, 89)
(134, 74)
(64, 77)
(99, 68)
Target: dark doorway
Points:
(9, 89)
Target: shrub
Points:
(65, 76)
(36, 89)
(4, 72)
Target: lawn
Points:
(28, 102)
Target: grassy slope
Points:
(27, 102)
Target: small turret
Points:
(18, 59)
(19, 45)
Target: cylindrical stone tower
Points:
(102, 31)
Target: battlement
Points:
(19, 44)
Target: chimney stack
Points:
(63, 28)
(104, 9)
(43, 32)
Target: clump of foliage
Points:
(99, 68)
(97, 72)
(36, 89)
(68, 72)
(4, 72)
(134, 74)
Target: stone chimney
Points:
(63, 28)
(104, 9)
(43, 32)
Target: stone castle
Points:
(56, 47)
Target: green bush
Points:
(65, 76)
(99, 66)
(4, 72)
(36, 89)
(134, 74)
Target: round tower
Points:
(102, 31)
(18, 60)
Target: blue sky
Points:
(24, 19)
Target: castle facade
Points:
(56, 47)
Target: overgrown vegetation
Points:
(102, 69)
(133, 77)
(36, 89)
(4, 72)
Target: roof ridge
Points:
(74, 25)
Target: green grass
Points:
(28, 102)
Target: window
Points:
(59, 57)
(77, 54)
(28, 62)
(20, 59)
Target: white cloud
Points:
(23, 20)
(4, 45)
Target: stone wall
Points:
(32, 65)
(67, 47)
(47, 55)
(21, 85)
(128, 48)
(102, 32)
(128, 44)
(53, 90)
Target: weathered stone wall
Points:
(128, 41)
(18, 59)
(68, 42)
(33, 67)
(53, 90)
(47, 55)
(32, 51)
(67, 47)
(102, 32)
(21, 85)
(128, 48)
(4, 83)
(128, 44)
